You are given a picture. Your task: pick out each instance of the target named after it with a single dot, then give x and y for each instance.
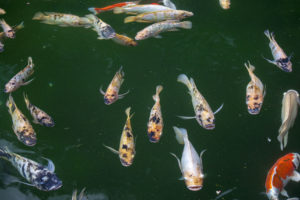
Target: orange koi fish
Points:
(111, 7)
(280, 174)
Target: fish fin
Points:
(20, 26)
(38, 16)
(249, 67)
(182, 78)
(284, 193)
(270, 61)
(173, 30)
(186, 25)
(181, 134)
(159, 88)
(35, 121)
(101, 38)
(93, 10)
(181, 178)
(5, 153)
(179, 164)
(158, 37)
(132, 13)
(26, 83)
(201, 163)
(25, 183)
(127, 112)
(50, 166)
(121, 96)
(118, 10)
(101, 91)
(296, 176)
(267, 33)
(74, 195)
(187, 117)
(10, 103)
(111, 149)
(265, 91)
(220, 108)
(26, 100)
(130, 19)
(81, 194)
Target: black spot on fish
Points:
(128, 134)
(23, 171)
(153, 118)
(256, 97)
(13, 107)
(126, 128)
(157, 120)
(124, 146)
(124, 155)
(208, 119)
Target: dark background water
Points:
(71, 65)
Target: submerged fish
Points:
(112, 92)
(280, 58)
(169, 4)
(255, 92)
(190, 164)
(62, 19)
(2, 11)
(19, 79)
(203, 113)
(111, 7)
(155, 124)
(15, 29)
(9, 32)
(39, 116)
(124, 40)
(138, 9)
(158, 16)
(225, 4)
(289, 110)
(104, 30)
(21, 124)
(39, 176)
(81, 195)
(280, 174)
(127, 147)
(155, 29)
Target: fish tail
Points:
(118, 10)
(283, 132)
(249, 67)
(127, 112)
(186, 25)
(10, 104)
(20, 26)
(159, 88)
(5, 153)
(269, 35)
(93, 10)
(26, 100)
(130, 19)
(181, 134)
(184, 79)
(38, 16)
(30, 63)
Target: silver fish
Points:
(289, 110)
(39, 176)
(104, 30)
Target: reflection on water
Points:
(12, 193)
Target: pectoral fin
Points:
(179, 164)
(25, 183)
(101, 91)
(284, 193)
(111, 149)
(81, 194)
(187, 117)
(158, 37)
(122, 95)
(220, 108)
(26, 83)
(50, 166)
(173, 29)
(296, 176)
(201, 154)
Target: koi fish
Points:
(111, 7)
(190, 164)
(155, 29)
(21, 124)
(225, 4)
(159, 16)
(3, 35)
(289, 110)
(124, 40)
(39, 116)
(81, 195)
(254, 92)
(138, 9)
(280, 174)
(127, 148)
(9, 32)
(169, 4)
(104, 30)
(62, 19)
(280, 58)
(18, 80)
(155, 124)
(2, 11)
(112, 92)
(203, 113)
(39, 176)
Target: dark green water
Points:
(76, 64)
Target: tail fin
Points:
(20, 26)
(118, 10)
(10, 103)
(130, 19)
(184, 79)
(30, 61)
(93, 10)
(127, 111)
(186, 25)
(26, 100)
(5, 153)
(38, 16)
(159, 88)
(283, 134)
(249, 67)
(181, 134)
(269, 35)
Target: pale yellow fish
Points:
(127, 147)
(289, 110)
(225, 4)
(9, 32)
(124, 40)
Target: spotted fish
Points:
(155, 124)
(203, 113)
(104, 30)
(127, 147)
(9, 32)
(190, 164)
(39, 116)
(112, 92)
(39, 176)
(281, 60)
(21, 124)
(255, 92)
(19, 79)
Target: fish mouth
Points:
(55, 187)
(125, 164)
(253, 111)
(195, 187)
(209, 126)
(107, 101)
(29, 141)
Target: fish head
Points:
(47, 121)
(206, 120)
(11, 34)
(192, 182)
(186, 14)
(141, 35)
(285, 64)
(10, 87)
(126, 157)
(29, 139)
(254, 103)
(110, 98)
(47, 181)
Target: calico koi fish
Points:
(225, 4)
(111, 7)
(280, 58)
(158, 16)
(18, 80)
(81, 195)
(138, 9)
(112, 92)
(9, 32)
(203, 113)
(155, 124)
(104, 30)
(127, 147)
(62, 19)
(255, 92)
(21, 124)
(289, 110)
(155, 29)
(39, 176)
(280, 174)
(190, 164)
(124, 40)
(39, 116)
